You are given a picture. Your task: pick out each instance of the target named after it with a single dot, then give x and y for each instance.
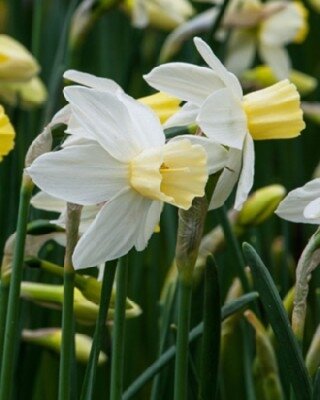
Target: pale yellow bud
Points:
(261, 205)
(262, 76)
(27, 95)
(51, 339)
(16, 62)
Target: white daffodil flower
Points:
(302, 204)
(122, 162)
(266, 28)
(163, 14)
(215, 101)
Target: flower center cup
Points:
(175, 173)
(274, 112)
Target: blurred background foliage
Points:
(113, 48)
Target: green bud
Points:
(262, 76)
(51, 339)
(261, 205)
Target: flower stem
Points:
(67, 347)
(231, 241)
(181, 365)
(190, 231)
(106, 290)
(12, 320)
(119, 331)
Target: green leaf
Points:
(227, 310)
(279, 321)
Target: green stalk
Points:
(4, 295)
(181, 365)
(67, 359)
(190, 231)
(231, 241)
(210, 350)
(106, 290)
(118, 336)
(12, 320)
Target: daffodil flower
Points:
(163, 14)
(7, 134)
(122, 162)
(267, 28)
(302, 204)
(215, 101)
(16, 62)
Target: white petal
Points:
(277, 58)
(104, 118)
(241, 51)
(114, 231)
(84, 174)
(185, 81)
(312, 211)
(247, 173)
(92, 81)
(293, 206)
(44, 201)
(223, 120)
(148, 223)
(230, 81)
(217, 154)
(282, 27)
(185, 116)
(147, 126)
(227, 179)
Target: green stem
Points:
(106, 290)
(210, 350)
(227, 310)
(232, 241)
(118, 336)
(4, 294)
(67, 347)
(181, 365)
(12, 320)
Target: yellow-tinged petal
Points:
(162, 104)
(16, 62)
(175, 173)
(274, 112)
(7, 134)
(262, 76)
(304, 28)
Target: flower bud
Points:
(16, 62)
(261, 205)
(27, 95)
(86, 312)
(51, 338)
(263, 76)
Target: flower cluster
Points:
(117, 160)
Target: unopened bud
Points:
(51, 338)
(261, 205)
(263, 76)
(26, 95)
(266, 368)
